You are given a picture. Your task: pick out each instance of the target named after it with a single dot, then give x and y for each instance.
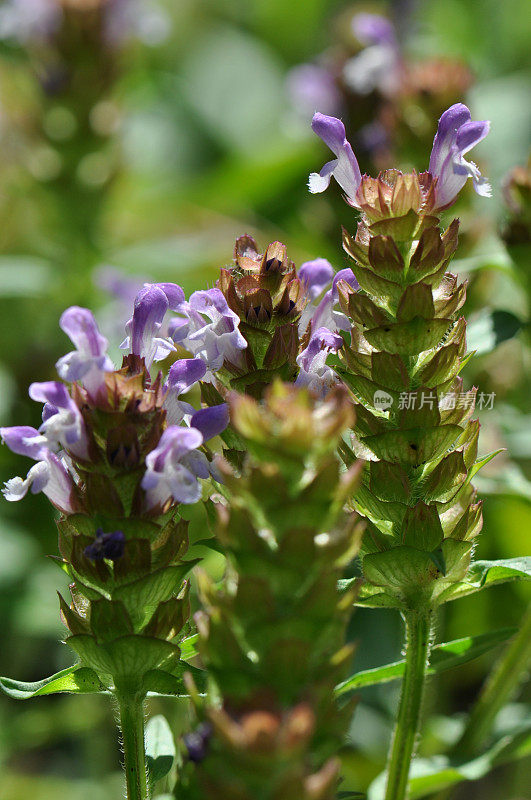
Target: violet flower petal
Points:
(211, 421)
(316, 276)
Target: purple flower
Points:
(28, 19)
(311, 86)
(182, 376)
(25, 441)
(456, 135)
(151, 305)
(89, 362)
(62, 425)
(344, 167)
(171, 468)
(106, 545)
(314, 372)
(49, 476)
(373, 29)
(211, 421)
(378, 66)
(209, 330)
(197, 742)
(316, 276)
(326, 314)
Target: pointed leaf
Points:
(443, 657)
(488, 573)
(72, 680)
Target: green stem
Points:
(500, 686)
(132, 725)
(418, 637)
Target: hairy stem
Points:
(500, 686)
(418, 637)
(132, 725)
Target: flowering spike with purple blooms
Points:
(456, 135)
(404, 347)
(118, 477)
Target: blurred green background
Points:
(141, 156)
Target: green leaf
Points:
(73, 680)
(188, 647)
(488, 573)
(160, 748)
(488, 329)
(443, 657)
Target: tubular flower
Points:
(314, 373)
(151, 305)
(209, 330)
(89, 362)
(344, 168)
(456, 135)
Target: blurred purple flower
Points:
(344, 167)
(373, 29)
(38, 20)
(310, 87)
(24, 20)
(379, 64)
(456, 135)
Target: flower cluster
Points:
(67, 445)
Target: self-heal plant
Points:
(272, 637)
(401, 360)
(117, 469)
